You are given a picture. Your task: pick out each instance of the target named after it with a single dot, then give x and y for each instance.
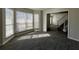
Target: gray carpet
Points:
(42, 41)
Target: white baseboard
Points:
(73, 38)
(7, 40)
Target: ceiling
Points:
(38, 8)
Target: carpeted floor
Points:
(42, 41)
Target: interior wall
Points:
(40, 19)
(1, 32)
(52, 10)
(73, 24)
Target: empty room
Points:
(39, 29)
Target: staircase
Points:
(62, 20)
(61, 24)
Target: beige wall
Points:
(73, 24)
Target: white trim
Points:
(7, 40)
(73, 38)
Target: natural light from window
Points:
(9, 22)
(32, 36)
(24, 21)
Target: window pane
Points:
(21, 27)
(21, 21)
(9, 16)
(20, 17)
(24, 21)
(29, 21)
(9, 22)
(9, 30)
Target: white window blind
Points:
(29, 21)
(24, 21)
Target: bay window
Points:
(23, 21)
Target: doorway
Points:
(58, 21)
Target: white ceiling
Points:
(38, 8)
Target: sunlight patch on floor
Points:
(32, 36)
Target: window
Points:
(20, 21)
(24, 21)
(29, 21)
(9, 22)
